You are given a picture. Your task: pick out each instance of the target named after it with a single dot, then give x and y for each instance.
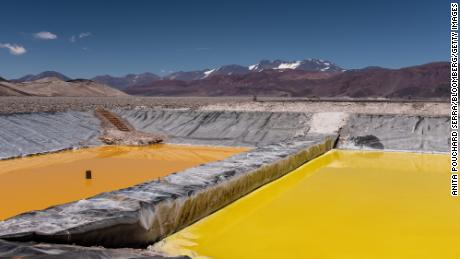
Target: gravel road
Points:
(46, 104)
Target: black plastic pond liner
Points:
(52, 251)
(143, 214)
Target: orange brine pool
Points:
(38, 182)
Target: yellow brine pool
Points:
(37, 182)
(344, 204)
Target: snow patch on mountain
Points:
(208, 72)
(292, 65)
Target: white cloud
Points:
(13, 48)
(45, 35)
(82, 35)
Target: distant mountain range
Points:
(424, 81)
(309, 65)
(129, 80)
(309, 77)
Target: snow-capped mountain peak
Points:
(226, 70)
(306, 65)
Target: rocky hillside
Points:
(424, 81)
(42, 75)
(51, 86)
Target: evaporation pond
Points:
(344, 204)
(38, 182)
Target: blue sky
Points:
(88, 38)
